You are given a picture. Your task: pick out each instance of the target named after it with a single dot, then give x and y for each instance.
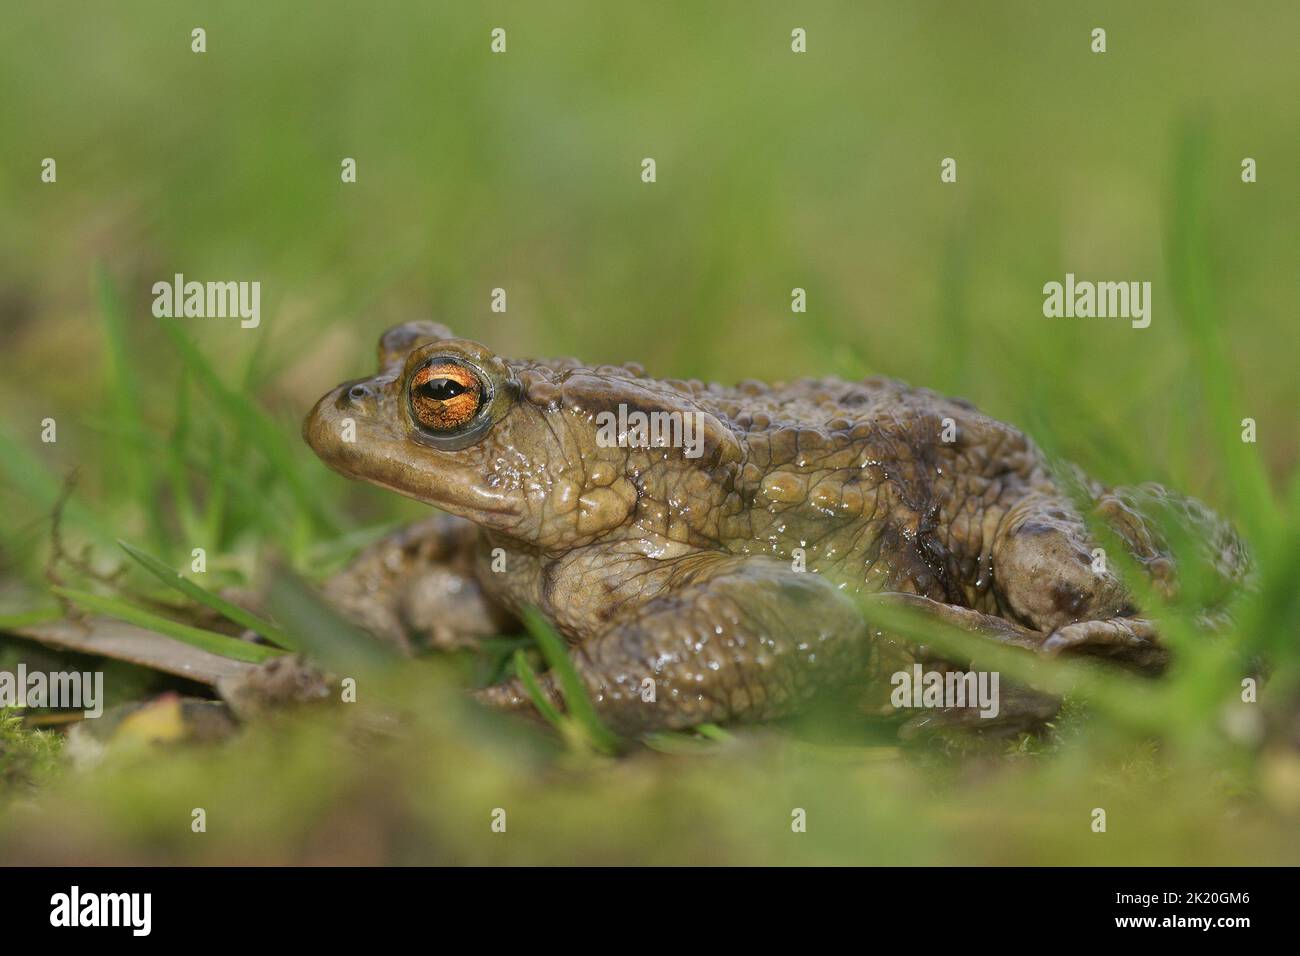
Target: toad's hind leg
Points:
(753, 640)
(1047, 572)
(745, 639)
(417, 588)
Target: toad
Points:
(733, 583)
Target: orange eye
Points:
(445, 396)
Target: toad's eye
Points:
(445, 395)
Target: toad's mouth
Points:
(478, 508)
(453, 488)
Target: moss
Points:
(28, 757)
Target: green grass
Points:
(579, 722)
(210, 641)
(230, 611)
(520, 172)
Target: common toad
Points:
(726, 571)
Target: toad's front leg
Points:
(418, 588)
(746, 639)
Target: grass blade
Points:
(1190, 259)
(322, 632)
(524, 671)
(231, 612)
(265, 434)
(715, 733)
(575, 694)
(209, 641)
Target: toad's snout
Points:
(333, 420)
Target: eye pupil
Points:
(442, 389)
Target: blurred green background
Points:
(522, 171)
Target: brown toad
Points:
(723, 574)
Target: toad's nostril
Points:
(358, 392)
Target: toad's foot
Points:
(417, 588)
(1131, 640)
